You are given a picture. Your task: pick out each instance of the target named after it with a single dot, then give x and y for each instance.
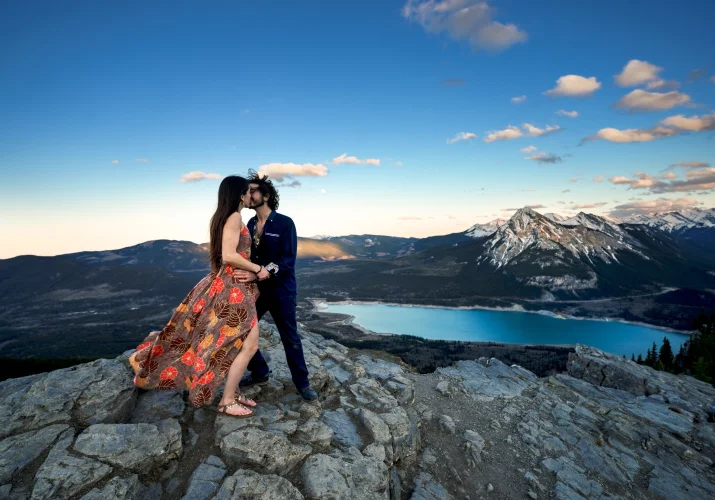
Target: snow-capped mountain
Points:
(554, 217)
(584, 235)
(481, 230)
(694, 218)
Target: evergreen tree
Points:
(640, 359)
(666, 354)
(633, 357)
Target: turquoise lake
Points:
(510, 327)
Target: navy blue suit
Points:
(279, 246)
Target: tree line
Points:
(696, 357)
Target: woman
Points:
(213, 334)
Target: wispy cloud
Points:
(642, 100)
(514, 132)
(697, 74)
(588, 205)
(399, 164)
(574, 86)
(669, 175)
(690, 164)
(545, 158)
(142, 160)
(353, 160)
(566, 191)
(652, 206)
(197, 176)
(574, 179)
(570, 114)
(696, 180)
(528, 149)
(282, 171)
(464, 20)
(453, 82)
(115, 162)
(533, 207)
(518, 100)
(598, 178)
(462, 136)
(410, 217)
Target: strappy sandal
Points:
(243, 400)
(222, 410)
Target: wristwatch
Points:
(272, 269)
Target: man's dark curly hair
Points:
(266, 187)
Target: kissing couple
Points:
(212, 336)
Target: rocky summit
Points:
(607, 429)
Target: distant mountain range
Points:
(108, 299)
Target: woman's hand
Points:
(245, 276)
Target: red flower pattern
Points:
(199, 306)
(206, 378)
(143, 346)
(236, 296)
(157, 351)
(254, 321)
(216, 286)
(221, 340)
(169, 373)
(188, 358)
(199, 365)
(244, 255)
(229, 269)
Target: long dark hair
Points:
(229, 197)
(266, 188)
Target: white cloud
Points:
(669, 175)
(514, 132)
(652, 206)
(509, 133)
(281, 171)
(574, 179)
(464, 20)
(344, 158)
(570, 114)
(115, 162)
(642, 100)
(142, 160)
(536, 132)
(598, 178)
(528, 149)
(698, 179)
(692, 124)
(631, 134)
(637, 73)
(462, 136)
(398, 163)
(518, 100)
(197, 176)
(323, 191)
(574, 86)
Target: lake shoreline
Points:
(514, 308)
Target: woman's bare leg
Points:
(238, 367)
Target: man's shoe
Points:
(308, 394)
(249, 380)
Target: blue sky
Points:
(106, 107)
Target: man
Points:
(275, 245)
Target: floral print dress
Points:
(195, 349)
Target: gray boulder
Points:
(136, 447)
(261, 450)
(247, 484)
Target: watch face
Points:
(272, 268)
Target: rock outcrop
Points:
(606, 429)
